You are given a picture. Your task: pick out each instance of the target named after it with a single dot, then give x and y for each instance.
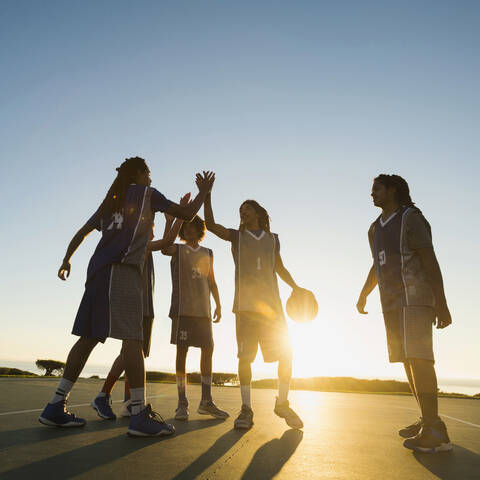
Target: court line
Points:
(77, 405)
(448, 416)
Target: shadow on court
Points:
(272, 456)
(459, 463)
(221, 446)
(84, 459)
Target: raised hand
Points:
(64, 270)
(205, 182)
(185, 200)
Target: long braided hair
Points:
(263, 218)
(115, 197)
(402, 191)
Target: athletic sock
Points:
(181, 387)
(126, 395)
(206, 388)
(110, 382)
(283, 388)
(138, 399)
(429, 405)
(245, 392)
(63, 390)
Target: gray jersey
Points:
(256, 286)
(190, 282)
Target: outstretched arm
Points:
(219, 230)
(370, 284)
(64, 270)
(434, 277)
(187, 212)
(283, 273)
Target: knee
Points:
(182, 352)
(207, 352)
(421, 365)
(87, 343)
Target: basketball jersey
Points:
(125, 234)
(190, 282)
(256, 286)
(400, 274)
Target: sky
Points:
(298, 105)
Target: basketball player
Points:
(257, 306)
(112, 302)
(413, 299)
(193, 281)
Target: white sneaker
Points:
(126, 410)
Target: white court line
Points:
(78, 405)
(448, 416)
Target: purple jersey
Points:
(125, 234)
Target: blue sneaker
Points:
(148, 423)
(57, 415)
(103, 406)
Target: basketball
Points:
(302, 306)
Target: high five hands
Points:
(205, 182)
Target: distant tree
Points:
(194, 377)
(219, 378)
(50, 366)
(95, 377)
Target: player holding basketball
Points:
(193, 281)
(112, 302)
(102, 403)
(413, 299)
(257, 306)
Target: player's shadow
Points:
(221, 446)
(83, 459)
(270, 458)
(458, 463)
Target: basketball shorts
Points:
(112, 305)
(409, 333)
(253, 329)
(192, 332)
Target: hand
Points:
(362, 301)
(205, 182)
(64, 270)
(217, 315)
(185, 200)
(444, 319)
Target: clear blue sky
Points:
(295, 104)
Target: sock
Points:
(429, 405)
(126, 395)
(63, 391)
(283, 388)
(206, 388)
(138, 399)
(245, 392)
(181, 387)
(110, 382)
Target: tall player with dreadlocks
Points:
(411, 291)
(257, 305)
(112, 302)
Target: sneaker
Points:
(244, 420)
(411, 430)
(432, 438)
(283, 410)
(103, 406)
(126, 410)
(209, 408)
(182, 412)
(148, 423)
(57, 415)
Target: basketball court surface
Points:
(346, 436)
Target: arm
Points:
(187, 212)
(214, 289)
(169, 236)
(219, 230)
(72, 246)
(370, 284)
(283, 273)
(434, 277)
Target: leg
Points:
(102, 403)
(135, 370)
(77, 358)
(116, 370)
(180, 368)
(284, 376)
(411, 383)
(245, 377)
(425, 381)
(206, 372)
